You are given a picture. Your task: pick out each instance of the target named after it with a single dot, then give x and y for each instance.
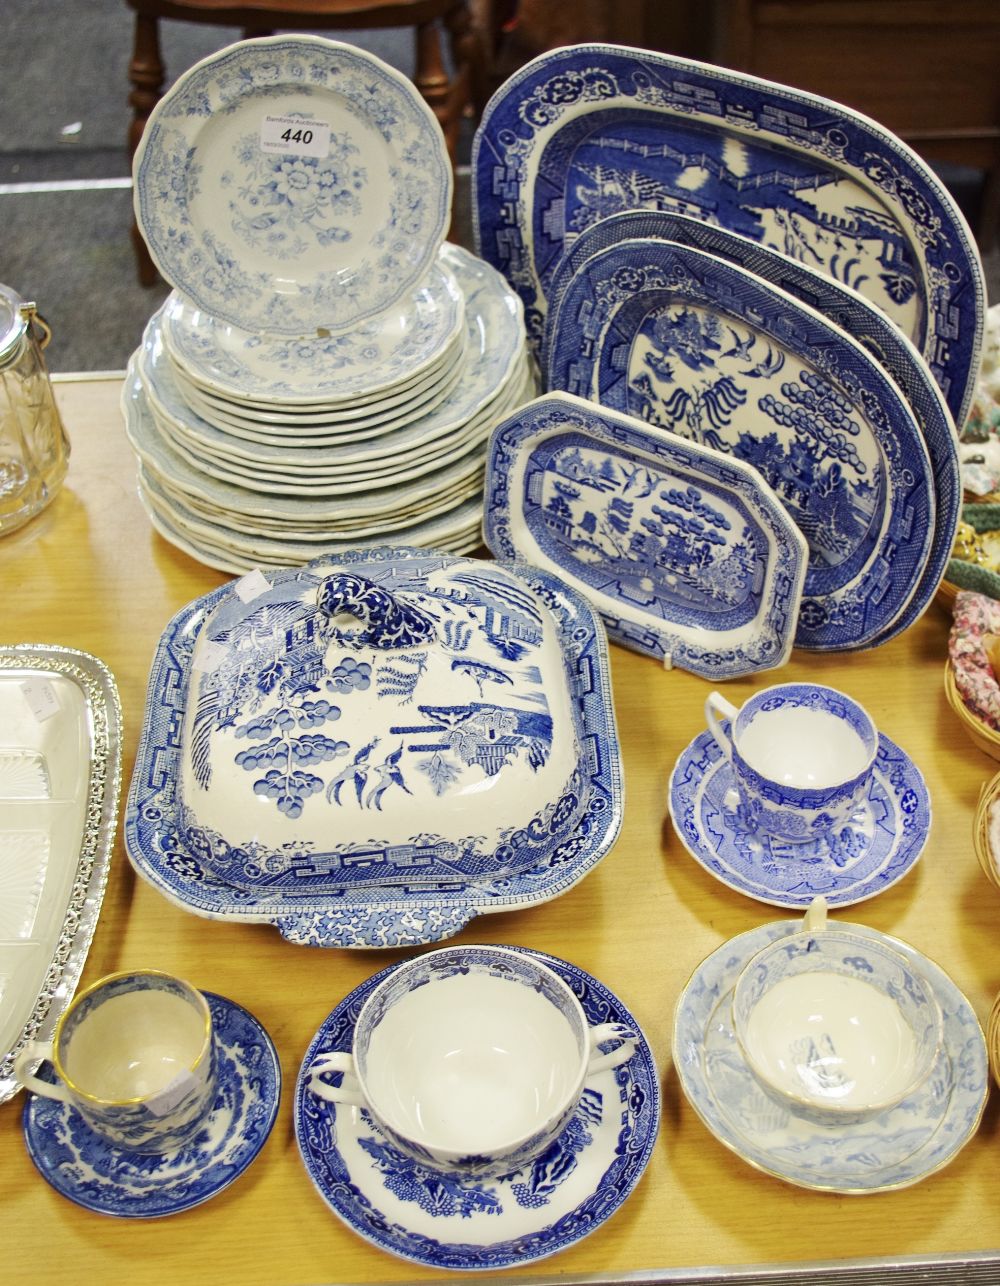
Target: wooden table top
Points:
(90, 573)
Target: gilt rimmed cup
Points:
(835, 1025)
(134, 1054)
(471, 1059)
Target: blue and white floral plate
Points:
(883, 842)
(844, 307)
(494, 360)
(687, 555)
(358, 917)
(688, 342)
(412, 338)
(442, 1222)
(898, 1148)
(586, 131)
(80, 1165)
(293, 183)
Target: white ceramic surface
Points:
(471, 1058)
(388, 351)
(361, 722)
(282, 233)
(133, 1054)
(835, 1024)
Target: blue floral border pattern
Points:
(828, 428)
(520, 453)
(922, 1135)
(285, 207)
(85, 1169)
(524, 148)
(844, 308)
(530, 1192)
(404, 915)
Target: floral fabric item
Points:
(974, 649)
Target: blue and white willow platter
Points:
(80, 1165)
(565, 1194)
(685, 552)
(893, 1150)
(402, 916)
(587, 131)
(698, 346)
(845, 308)
(329, 231)
(885, 838)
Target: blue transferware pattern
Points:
(461, 1223)
(403, 915)
(769, 803)
(433, 691)
(587, 131)
(706, 350)
(842, 306)
(684, 551)
(80, 1165)
(160, 1122)
(380, 354)
(894, 1149)
(880, 846)
(285, 242)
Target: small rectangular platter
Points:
(60, 773)
(687, 553)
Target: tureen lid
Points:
(392, 716)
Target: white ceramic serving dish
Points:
(390, 916)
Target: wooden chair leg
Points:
(146, 74)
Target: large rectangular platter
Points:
(60, 771)
(585, 131)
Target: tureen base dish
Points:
(379, 719)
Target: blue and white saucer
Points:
(893, 1150)
(886, 835)
(80, 1165)
(442, 1222)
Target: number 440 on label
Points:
(295, 136)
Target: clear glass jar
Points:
(34, 449)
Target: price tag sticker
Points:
(173, 1093)
(209, 656)
(295, 135)
(251, 586)
(41, 698)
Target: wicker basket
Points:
(982, 735)
(988, 796)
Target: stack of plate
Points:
(764, 272)
(326, 371)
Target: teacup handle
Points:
(610, 1031)
(716, 704)
(38, 1050)
(336, 1061)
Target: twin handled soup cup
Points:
(471, 1059)
(835, 1025)
(802, 757)
(135, 1055)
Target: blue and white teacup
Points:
(836, 1025)
(470, 1059)
(135, 1055)
(802, 757)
